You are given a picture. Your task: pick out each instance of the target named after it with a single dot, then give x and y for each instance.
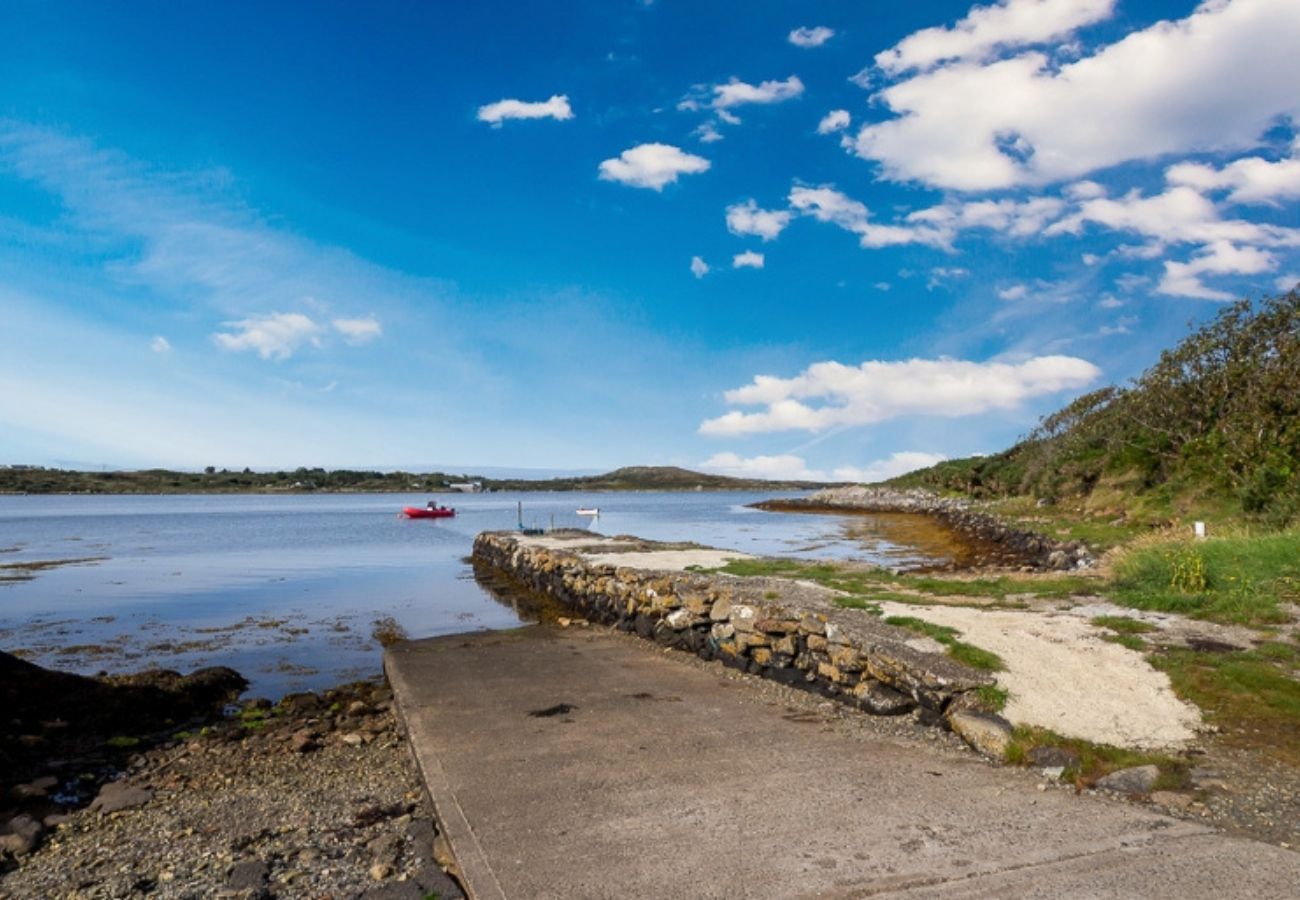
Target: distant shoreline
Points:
(19, 480)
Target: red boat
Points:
(428, 512)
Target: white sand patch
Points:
(1061, 675)
(667, 559)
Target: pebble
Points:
(251, 817)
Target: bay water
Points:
(292, 589)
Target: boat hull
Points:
(416, 512)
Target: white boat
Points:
(588, 511)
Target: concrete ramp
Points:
(580, 763)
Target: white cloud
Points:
(1015, 292)
(1010, 23)
(835, 120)
(708, 133)
(811, 37)
(896, 464)
(555, 108)
(747, 260)
(722, 98)
(358, 331)
(936, 226)
(274, 336)
(877, 391)
(1218, 258)
(748, 219)
(1214, 81)
(652, 166)
(1123, 326)
(825, 204)
(773, 468)
(1179, 215)
(1249, 180)
(940, 275)
(160, 344)
(1110, 301)
(699, 268)
(1287, 282)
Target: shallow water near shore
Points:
(290, 590)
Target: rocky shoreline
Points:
(995, 542)
(314, 796)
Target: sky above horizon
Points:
(826, 241)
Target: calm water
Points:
(288, 589)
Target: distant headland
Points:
(18, 479)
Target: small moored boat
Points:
(428, 512)
(588, 511)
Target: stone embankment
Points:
(1003, 544)
(791, 632)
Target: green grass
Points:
(1124, 625)
(992, 698)
(1252, 695)
(881, 584)
(969, 654)
(1131, 641)
(1241, 579)
(1096, 760)
(858, 603)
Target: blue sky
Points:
(829, 240)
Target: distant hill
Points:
(648, 478)
(1213, 426)
(40, 480)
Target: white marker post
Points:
(1198, 529)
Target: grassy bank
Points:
(1239, 578)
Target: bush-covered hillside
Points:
(1214, 424)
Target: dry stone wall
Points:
(790, 632)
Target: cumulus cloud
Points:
(1213, 81)
(747, 260)
(555, 108)
(1183, 279)
(1249, 180)
(274, 336)
(936, 226)
(1178, 215)
(699, 268)
(811, 37)
(748, 219)
(708, 133)
(830, 394)
(722, 98)
(896, 464)
(826, 204)
(835, 120)
(1010, 23)
(1182, 214)
(1287, 282)
(1015, 292)
(160, 344)
(772, 468)
(652, 166)
(358, 331)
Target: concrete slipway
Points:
(668, 778)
